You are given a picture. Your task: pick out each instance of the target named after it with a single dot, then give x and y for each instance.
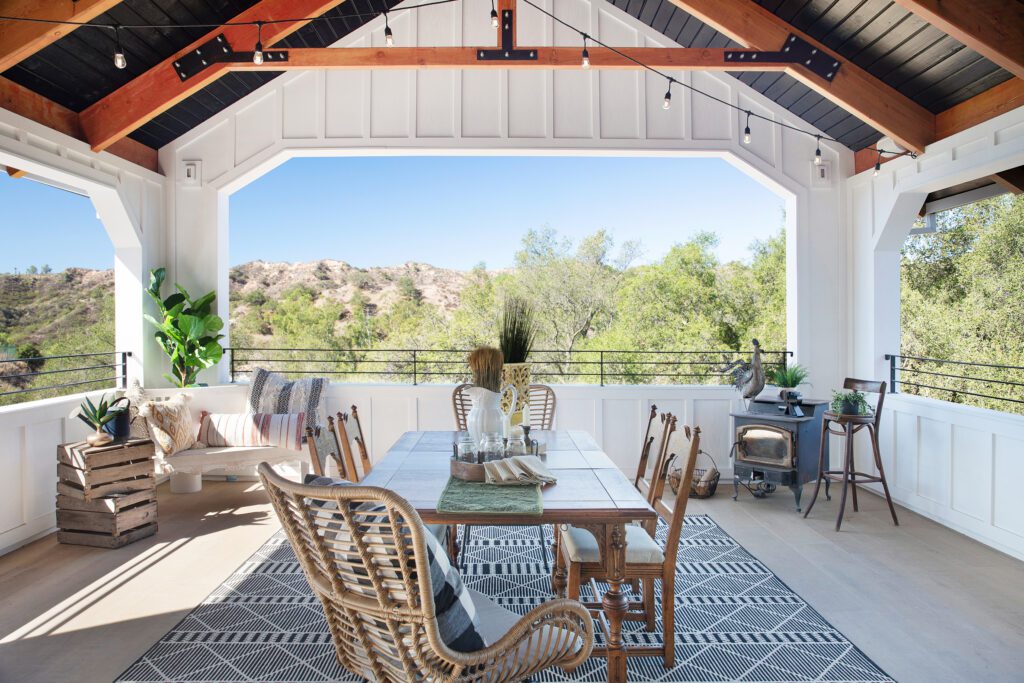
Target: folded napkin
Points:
(519, 470)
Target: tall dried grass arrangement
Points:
(518, 330)
(485, 362)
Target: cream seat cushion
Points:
(640, 547)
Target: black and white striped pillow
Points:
(457, 619)
(270, 392)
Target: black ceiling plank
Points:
(863, 138)
(780, 87)
(769, 5)
(747, 77)
(803, 103)
(891, 55)
(971, 88)
(830, 120)
(689, 32)
(940, 61)
(675, 23)
(662, 16)
(161, 41)
(827, 19)
(861, 46)
(704, 36)
(818, 112)
(649, 11)
(789, 9)
(721, 40)
(844, 127)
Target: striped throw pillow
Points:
(252, 429)
(270, 392)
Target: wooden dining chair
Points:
(365, 556)
(461, 405)
(350, 434)
(650, 479)
(542, 407)
(647, 561)
(324, 447)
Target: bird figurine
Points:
(748, 377)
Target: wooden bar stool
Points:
(846, 426)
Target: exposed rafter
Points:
(667, 59)
(992, 28)
(854, 89)
(1004, 97)
(20, 40)
(24, 102)
(159, 88)
(15, 173)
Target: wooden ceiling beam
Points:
(15, 173)
(668, 59)
(988, 104)
(853, 88)
(992, 28)
(24, 102)
(159, 88)
(1011, 179)
(19, 40)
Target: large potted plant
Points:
(187, 330)
(516, 336)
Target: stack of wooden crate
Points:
(106, 496)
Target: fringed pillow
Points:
(270, 392)
(170, 424)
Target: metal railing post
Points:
(124, 368)
(892, 372)
(601, 364)
(415, 379)
(231, 364)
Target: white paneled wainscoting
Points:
(614, 415)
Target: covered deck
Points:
(158, 111)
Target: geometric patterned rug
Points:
(735, 620)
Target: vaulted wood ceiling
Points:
(901, 75)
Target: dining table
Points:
(591, 493)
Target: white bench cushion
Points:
(237, 459)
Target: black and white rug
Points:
(735, 620)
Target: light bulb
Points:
(586, 59)
(257, 55)
(668, 100)
(746, 135)
(817, 157)
(119, 61)
(389, 38)
(878, 167)
(494, 18)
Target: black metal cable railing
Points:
(988, 385)
(56, 375)
(419, 366)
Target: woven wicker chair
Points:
(645, 560)
(542, 406)
(461, 405)
(373, 581)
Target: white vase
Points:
(486, 416)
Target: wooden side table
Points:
(106, 496)
(848, 425)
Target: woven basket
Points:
(699, 489)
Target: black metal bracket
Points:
(507, 52)
(796, 50)
(215, 51)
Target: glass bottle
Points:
(516, 442)
(492, 449)
(466, 448)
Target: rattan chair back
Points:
(461, 405)
(363, 553)
(542, 407)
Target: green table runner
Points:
(473, 496)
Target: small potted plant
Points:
(99, 415)
(788, 377)
(849, 403)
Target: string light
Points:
(389, 37)
(746, 131)
(586, 53)
(817, 152)
(668, 96)
(878, 163)
(119, 60)
(494, 16)
(257, 53)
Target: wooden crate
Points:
(106, 496)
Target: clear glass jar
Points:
(466, 448)
(492, 448)
(516, 442)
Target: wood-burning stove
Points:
(773, 449)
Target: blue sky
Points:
(448, 211)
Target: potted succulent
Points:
(102, 416)
(516, 335)
(849, 403)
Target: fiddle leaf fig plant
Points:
(187, 330)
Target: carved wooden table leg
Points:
(615, 602)
(559, 577)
